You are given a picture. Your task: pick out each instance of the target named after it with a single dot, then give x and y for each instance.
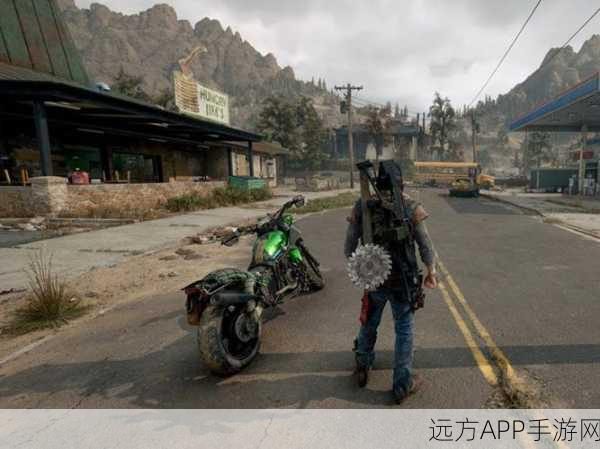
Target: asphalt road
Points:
(530, 291)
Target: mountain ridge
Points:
(556, 73)
(151, 42)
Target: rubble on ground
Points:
(214, 235)
(30, 225)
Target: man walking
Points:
(397, 230)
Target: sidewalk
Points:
(577, 213)
(78, 253)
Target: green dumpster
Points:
(247, 182)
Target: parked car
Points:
(464, 187)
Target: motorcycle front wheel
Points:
(315, 277)
(228, 339)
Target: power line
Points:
(569, 40)
(367, 102)
(514, 41)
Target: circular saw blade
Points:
(369, 266)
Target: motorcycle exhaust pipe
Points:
(231, 298)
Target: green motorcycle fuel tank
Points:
(271, 245)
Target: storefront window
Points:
(83, 158)
(140, 167)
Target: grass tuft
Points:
(346, 199)
(49, 304)
(219, 197)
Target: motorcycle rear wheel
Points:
(221, 349)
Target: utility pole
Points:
(581, 176)
(349, 88)
(474, 130)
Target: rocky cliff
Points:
(150, 44)
(555, 73)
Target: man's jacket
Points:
(416, 213)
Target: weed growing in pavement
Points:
(49, 304)
(219, 197)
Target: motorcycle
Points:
(227, 304)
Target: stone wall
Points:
(51, 196)
(108, 199)
(15, 202)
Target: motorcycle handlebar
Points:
(297, 201)
(234, 237)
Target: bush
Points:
(50, 304)
(219, 197)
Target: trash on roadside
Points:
(11, 290)
(185, 252)
(214, 235)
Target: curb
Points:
(580, 230)
(540, 214)
(518, 206)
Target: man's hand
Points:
(431, 278)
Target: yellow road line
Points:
(482, 362)
(486, 368)
(504, 364)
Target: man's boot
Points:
(362, 375)
(417, 383)
(361, 371)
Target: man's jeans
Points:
(403, 321)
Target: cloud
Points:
(450, 67)
(399, 51)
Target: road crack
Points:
(266, 431)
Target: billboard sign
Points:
(195, 99)
(213, 105)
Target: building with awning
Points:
(269, 161)
(53, 120)
(575, 110)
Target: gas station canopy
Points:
(570, 111)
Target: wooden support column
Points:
(250, 159)
(41, 130)
(230, 161)
(106, 161)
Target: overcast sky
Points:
(398, 50)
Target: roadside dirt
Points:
(137, 277)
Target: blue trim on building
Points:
(568, 98)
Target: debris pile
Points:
(214, 235)
(34, 224)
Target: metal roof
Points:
(75, 105)
(568, 112)
(271, 148)
(34, 36)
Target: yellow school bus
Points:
(445, 173)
